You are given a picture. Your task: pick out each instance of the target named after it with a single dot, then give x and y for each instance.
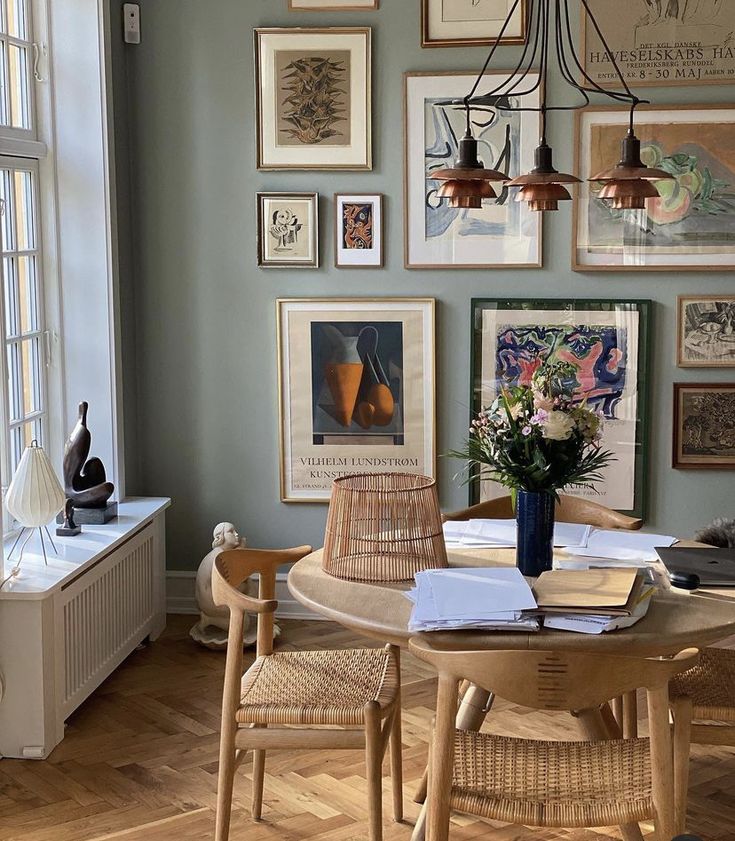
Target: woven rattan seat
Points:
(710, 685)
(556, 784)
(317, 687)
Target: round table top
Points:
(675, 620)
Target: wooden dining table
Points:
(676, 620)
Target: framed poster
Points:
(691, 225)
(704, 426)
(332, 5)
(706, 331)
(608, 343)
(500, 233)
(356, 386)
(661, 42)
(313, 98)
(358, 231)
(288, 230)
(457, 23)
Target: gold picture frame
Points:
(292, 66)
(705, 335)
(288, 230)
(453, 31)
(334, 6)
(382, 415)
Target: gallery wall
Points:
(199, 320)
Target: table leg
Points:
(630, 715)
(474, 706)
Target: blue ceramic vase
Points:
(535, 521)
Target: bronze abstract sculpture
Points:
(85, 481)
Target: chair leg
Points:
(682, 710)
(256, 809)
(374, 769)
(662, 770)
(630, 715)
(396, 763)
(225, 781)
(442, 761)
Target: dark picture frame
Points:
(624, 335)
(687, 431)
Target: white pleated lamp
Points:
(35, 495)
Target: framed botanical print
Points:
(661, 42)
(500, 233)
(288, 230)
(358, 231)
(356, 385)
(313, 98)
(457, 23)
(691, 224)
(607, 341)
(704, 425)
(706, 331)
(332, 5)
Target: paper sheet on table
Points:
(622, 545)
(502, 533)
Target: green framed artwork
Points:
(608, 342)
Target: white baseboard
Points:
(180, 598)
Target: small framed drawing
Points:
(358, 231)
(288, 230)
(356, 386)
(500, 233)
(706, 333)
(457, 23)
(690, 226)
(704, 425)
(607, 341)
(332, 5)
(313, 98)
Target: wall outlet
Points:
(131, 23)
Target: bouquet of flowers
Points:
(538, 438)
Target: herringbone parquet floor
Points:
(139, 761)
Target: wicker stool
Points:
(383, 527)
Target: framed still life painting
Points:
(288, 230)
(501, 232)
(704, 425)
(358, 231)
(356, 385)
(706, 334)
(457, 23)
(313, 98)
(691, 225)
(608, 344)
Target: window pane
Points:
(23, 210)
(6, 210)
(27, 294)
(32, 432)
(17, 21)
(31, 357)
(15, 385)
(18, 65)
(4, 93)
(16, 447)
(12, 325)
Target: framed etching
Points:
(704, 426)
(356, 386)
(661, 42)
(358, 231)
(332, 5)
(691, 225)
(501, 232)
(457, 23)
(313, 98)
(288, 230)
(706, 331)
(607, 341)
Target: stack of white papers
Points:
(488, 599)
(486, 534)
(633, 547)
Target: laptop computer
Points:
(714, 567)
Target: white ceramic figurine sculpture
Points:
(212, 627)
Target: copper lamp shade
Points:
(628, 184)
(542, 186)
(467, 183)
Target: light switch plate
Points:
(131, 23)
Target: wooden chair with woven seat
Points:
(704, 693)
(551, 784)
(570, 509)
(323, 692)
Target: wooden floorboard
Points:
(139, 761)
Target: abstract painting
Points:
(606, 342)
(501, 232)
(356, 385)
(692, 223)
(704, 425)
(454, 23)
(313, 98)
(358, 241)
(288, 230)
(706, 331)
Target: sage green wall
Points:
(201, 328)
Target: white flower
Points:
(558, 426)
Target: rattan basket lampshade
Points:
(383, 527)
